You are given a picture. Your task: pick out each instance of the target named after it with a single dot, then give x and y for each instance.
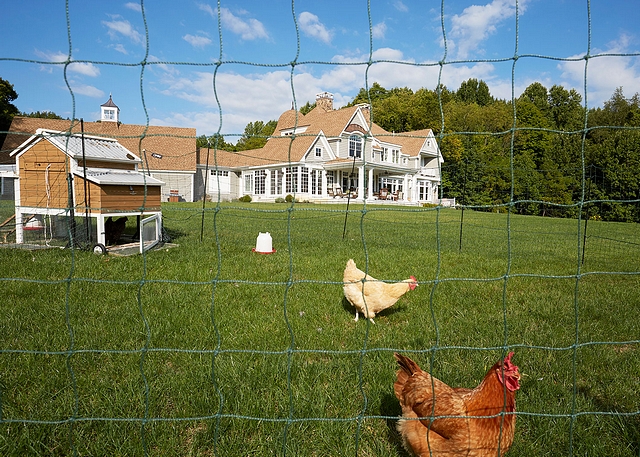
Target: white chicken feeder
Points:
(264, 244)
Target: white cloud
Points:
(83, 68)
(121, 27)
(250, 29)
(52, 56)
(604, 73)
(83, 89)
(477, 22)
(166, 69)
(266, 95)
(379, 30)
(120, 48)
(250, 97)
(400, 6)
(87, 69)
(197, 41)
(311, 26)
(133, 6)
(207, 9)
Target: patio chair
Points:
(384, 193)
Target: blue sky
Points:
(257, 41)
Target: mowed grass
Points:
(210, 349)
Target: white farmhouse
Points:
(324, 155)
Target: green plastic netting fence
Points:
(202, 347)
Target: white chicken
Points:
(369, 295)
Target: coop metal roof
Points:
(96, 148)
(117, 177)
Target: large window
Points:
(291, 179)
(260, 182)
(248, 183)
(355, 146)
(423, 190)
(316, 182)
(304, 180)
(395, 156)
(276, 182)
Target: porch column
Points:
(267, 184)
(370, 188)
(361, 181)
(325, 189)
(406, 182)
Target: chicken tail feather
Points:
(407, 368)
(407, 365)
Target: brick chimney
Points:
(325, 101)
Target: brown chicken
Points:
(372, 296)
(426, 397)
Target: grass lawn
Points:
(210, 349)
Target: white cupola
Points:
(109, 112)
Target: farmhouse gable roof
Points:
(160, 148)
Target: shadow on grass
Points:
(172, 234)
(389, 406)
(386, 312)
(629, 426)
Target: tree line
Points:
(541, 154)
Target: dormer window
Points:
(355, 146)
(318, 152)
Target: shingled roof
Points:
(160, 148)
(292, 147)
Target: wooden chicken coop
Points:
(73, 186)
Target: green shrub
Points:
(245, 198)
(288, 198)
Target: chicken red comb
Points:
(507, 362)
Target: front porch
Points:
(383, 184)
